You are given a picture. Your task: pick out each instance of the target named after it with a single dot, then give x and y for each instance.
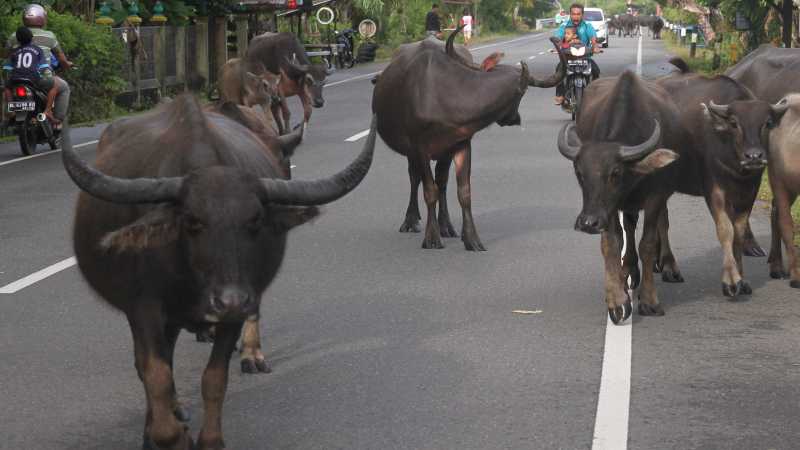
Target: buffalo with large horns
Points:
(424, 114)
(182, 223)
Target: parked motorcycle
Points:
(346, 41)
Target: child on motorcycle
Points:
(28, 62)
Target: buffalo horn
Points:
(721, 110)
(289, 142)
(326, 190)
(113, 189)
(780, 107)
(556, 77)
(451, 51)
(637, 152)
(569, 151)
(296, 70)
(523, 80)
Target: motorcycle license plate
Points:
(21, 106)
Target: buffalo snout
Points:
(318, 102)
(591, 223)
(232, 304)
(754, 158)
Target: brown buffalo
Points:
(784, 178)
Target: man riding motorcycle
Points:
(35, 18)
(586, 34)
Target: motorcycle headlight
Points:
(579, 51)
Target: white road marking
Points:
(532, 57)
(541, 53)
(50, 152)
(614, 399)
(358, 136)
(22, 283)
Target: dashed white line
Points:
(50, 152)
(357, 136)
(35, 277)
(532, 57)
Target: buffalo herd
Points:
(183, 217)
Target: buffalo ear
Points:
(284, 218)
(718, 122)
(657, 159)
(157, 228)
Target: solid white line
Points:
(49, 152)
(611, 422)
(22, 283)
(614, 399)
(358, 136)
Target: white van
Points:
(596, 18)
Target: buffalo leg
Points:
(151, 349)
(305, 100)
(442, 174)
(783, 204)
(463, 159)
(431, 193)
(666, 260)
(253, 360)
(775, 260)
(277, 115)
(287, 116)
(648, 297)
(214, 385)
(630, 262)
(411, 223)
(732, 282)
(617, 299)
(750, 245)
(171, 334)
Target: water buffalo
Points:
(626, 149)
(726, 159)
(770, 73)
(423, 114)
(182, 223)
(283, 53)
(249, 84)
(784, 178)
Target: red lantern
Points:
(292, 4)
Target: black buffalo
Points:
(283, 54)
(424, 114)
(182, 223)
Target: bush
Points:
(98, 57)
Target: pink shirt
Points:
(467, 21)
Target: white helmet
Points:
(34, 16)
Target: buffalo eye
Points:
(770, 124)
(579, 176)
(192, 224)
(255, 224)
(734, 125)
(614, 175)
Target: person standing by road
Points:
(433, 26)
(466, 20)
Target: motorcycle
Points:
(578, 77)
(26, 106)
(345, 41)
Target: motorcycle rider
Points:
(28, 62)
(35, 18)
(587, 36)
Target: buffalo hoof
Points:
(434, 243)
(753, 249)
(255, 366)
(182, 414)
(795, 284)
(410, 226)
(472, 243)
(657, 267)
(446, 230)
(620, 313)
(650, 310)
(732, 290)
(668, 276)
(184, 442)
(779, 274)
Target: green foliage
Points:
(98, 57)
(676, 15)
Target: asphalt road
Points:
(376, 343)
